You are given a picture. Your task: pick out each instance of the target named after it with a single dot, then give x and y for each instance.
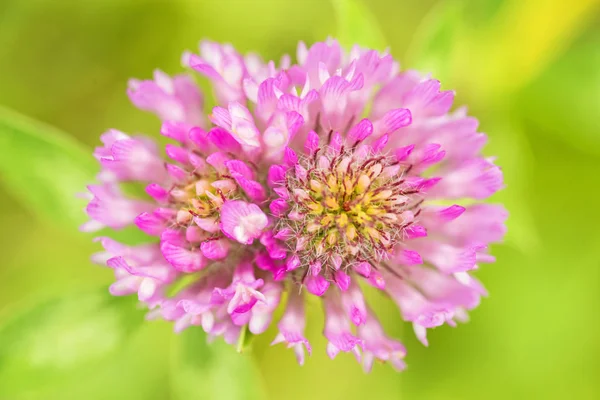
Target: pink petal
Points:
(182, 259)
(316, 285)
(242, 221)
(215, 249)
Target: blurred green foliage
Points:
(529, 70)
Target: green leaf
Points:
(203, 371)
(357, 25)
(62, 341)
(44, 168)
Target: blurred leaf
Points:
(44, 167)
(60, 341)
(481, 12)
(357, 25)
(203, 371)
(575, 77)
(437, 39)
(518, 43)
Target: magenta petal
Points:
(175, 130)
(171, 98)
(380, 143)
(409, 257)
(245, 307)
(150, 223)
(199, 137)
(215, 249)
(300, 172)
(336, 262)
(239, 167)
(242, 221)
(174, 237)
(376, 280)
(415, 231)
(220, 116)
(315, 267)
(336, 141)
(182, 259)
(242, 125)
(177, 173)
(342, 280)
(363, 268)
(276, 175)
(197, 162)
(218, 160)
(451, 213)
(284, 234)
(282, 192)
(294, 122)
(290, 157)
(312, 143)
(292, 263)
(426, 184)
(403, 152)
(253, 189)
(432, 154)
(157, 192)
(278, 207)
(224, 140)
(394, 120)
(194, 234)
(316, 285)
(277, 251)
(177, 153)
(360, 131)
(354, 303)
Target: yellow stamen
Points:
(326, 220)
(373, 233)
(350, 232)
(363, 184)
(313, 227)
(348, 184)
(375, 210)
(375, 170)
(317, 208)
(384, 194)
(332, 238)
(363, 217)
(316, 186)
(332, 203)
(332, 184)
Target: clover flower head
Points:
(320, 178)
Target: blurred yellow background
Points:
(528, 69)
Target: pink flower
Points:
(296, 187)
(291, 327)
(378, 346)
(172, 99)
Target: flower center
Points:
(201, 198)
(349, 206)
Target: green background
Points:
(529, 70)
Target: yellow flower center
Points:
(355, 209)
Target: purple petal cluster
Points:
(319, 178)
